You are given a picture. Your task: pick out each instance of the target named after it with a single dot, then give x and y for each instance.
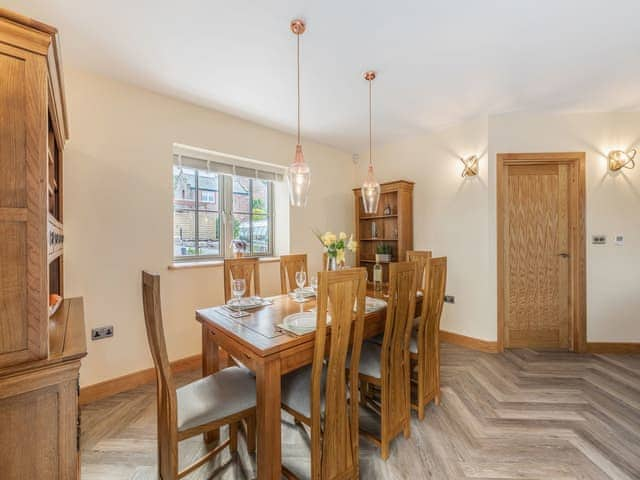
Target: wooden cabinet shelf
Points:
(379, 217)
(395, 230)
(39, 353)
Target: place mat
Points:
(248, 303)
(250, 322)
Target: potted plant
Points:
(383, 253)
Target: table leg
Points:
(210, 364)
(268, 406)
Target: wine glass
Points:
(238, 287)
(301, 279)
(314, 283)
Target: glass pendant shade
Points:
(370, 193)
(299, 176)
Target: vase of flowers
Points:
(335, 246)
(239, 247)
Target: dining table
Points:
(257, 342)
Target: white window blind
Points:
(225, 164)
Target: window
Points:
(252, 214)
(218, 199)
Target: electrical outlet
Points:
(598, 239)
(101, 332)
(620, 240)
(449, 299)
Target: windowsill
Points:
(212, 263)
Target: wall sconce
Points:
(620, 159)
(470, 166)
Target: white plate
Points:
(301, 321)
(244, 303)
(374, 304)
(306, 292)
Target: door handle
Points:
(563, 255)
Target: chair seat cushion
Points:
(215, 397)
(380, 338)
(413, 343)
(370, 359)
(296, 390)
(298, 459)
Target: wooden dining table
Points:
(258, 343)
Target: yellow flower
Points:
(328, 238)
(343, 236)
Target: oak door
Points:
(23, 253)
(537, 255)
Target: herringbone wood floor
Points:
(521, 414)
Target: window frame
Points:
(225, 217)
(270, 215)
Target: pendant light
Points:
(299, 174)
(370, 187)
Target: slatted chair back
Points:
(435, 300)
(244, 267)
(395, 360)
(166, 392)
(289, 265)
(422, 258)
(334, 436)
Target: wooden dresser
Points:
(39, 353)
(391, 226)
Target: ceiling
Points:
(438, 62)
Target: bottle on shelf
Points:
(377, 277)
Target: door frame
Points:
(577, 235)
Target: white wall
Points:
(118, 212)
(456, 217)
(613, 207)
(450, 214)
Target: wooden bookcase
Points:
(40, 352)
(391, 225)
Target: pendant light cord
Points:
(298, 54)
(370, 129)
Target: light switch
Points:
(619, 240)
(598, 239)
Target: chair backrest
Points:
(422, 258)
(395, 367)
(434, 298)
(325, 260)
(166, 394)
(244, 267)
(335, 436)
(289, 265)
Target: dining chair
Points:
(318, 395)
(421, 258)
(289, 265)
(224, 398)
(386, 367)
(243, 267)
(424, 347)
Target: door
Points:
(23, 254)
(536, 253)
(539, 241)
